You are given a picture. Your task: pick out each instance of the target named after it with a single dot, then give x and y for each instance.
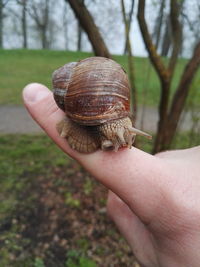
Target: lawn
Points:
(20, 67)
(52, 212)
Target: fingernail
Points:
(35, 92)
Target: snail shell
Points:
(94, 93)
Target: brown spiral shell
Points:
(92, 91)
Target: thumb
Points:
(130, 173)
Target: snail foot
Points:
(80, 138)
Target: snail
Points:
(94, 93)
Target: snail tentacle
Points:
(139, 132)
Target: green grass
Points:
(24, 158)
(20, 67)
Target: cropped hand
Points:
(154, 200)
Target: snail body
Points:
(94, 93)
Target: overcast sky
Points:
(107, 15)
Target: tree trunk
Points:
(79, 37)
(158, 24)
(176, 34)
(24, 24)
(162, 73)
(163, 111)
(127, 24)
(45, 26)
(153, 55)
(168, 118)
(44, 40)
(87, 23)
(180, 97)
(1, 23)
(166, 42)
(41, 20)
(65, 25)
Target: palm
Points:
(155, 242)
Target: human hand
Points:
(154, 200)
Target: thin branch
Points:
(15, 13)
(34, 15)
(154, 57)
(185, 81)
(131, 12)
(182, 92)
(176, 34)
(190, 24)
(41, 21)
(87, 22)
(158, 24)
(127, 25)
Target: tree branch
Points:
(127, 24)
(183, 89)
(176, 34)
(158, 24)
(89, 26)
(34, 15)
(191, 24)
(154, 57)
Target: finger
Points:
(132, 174)
(39, 102)
(132, 229)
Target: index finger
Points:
(130, 173)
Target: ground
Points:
(52, 212)
(15, 119)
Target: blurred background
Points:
(52, 212)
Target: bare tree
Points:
(192, 22)
(166, 39)
(158, 23)
(24, 24)
(3, 3)
(39, 12)
(89, 26)
(65, 25)
(127, 24)
(79, 39)
(23, 18)
(162, 35)
(1, 23)
(169, 115)
(127, 20)
(79, 32)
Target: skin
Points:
(154, 200)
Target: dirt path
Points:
(15, 119)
